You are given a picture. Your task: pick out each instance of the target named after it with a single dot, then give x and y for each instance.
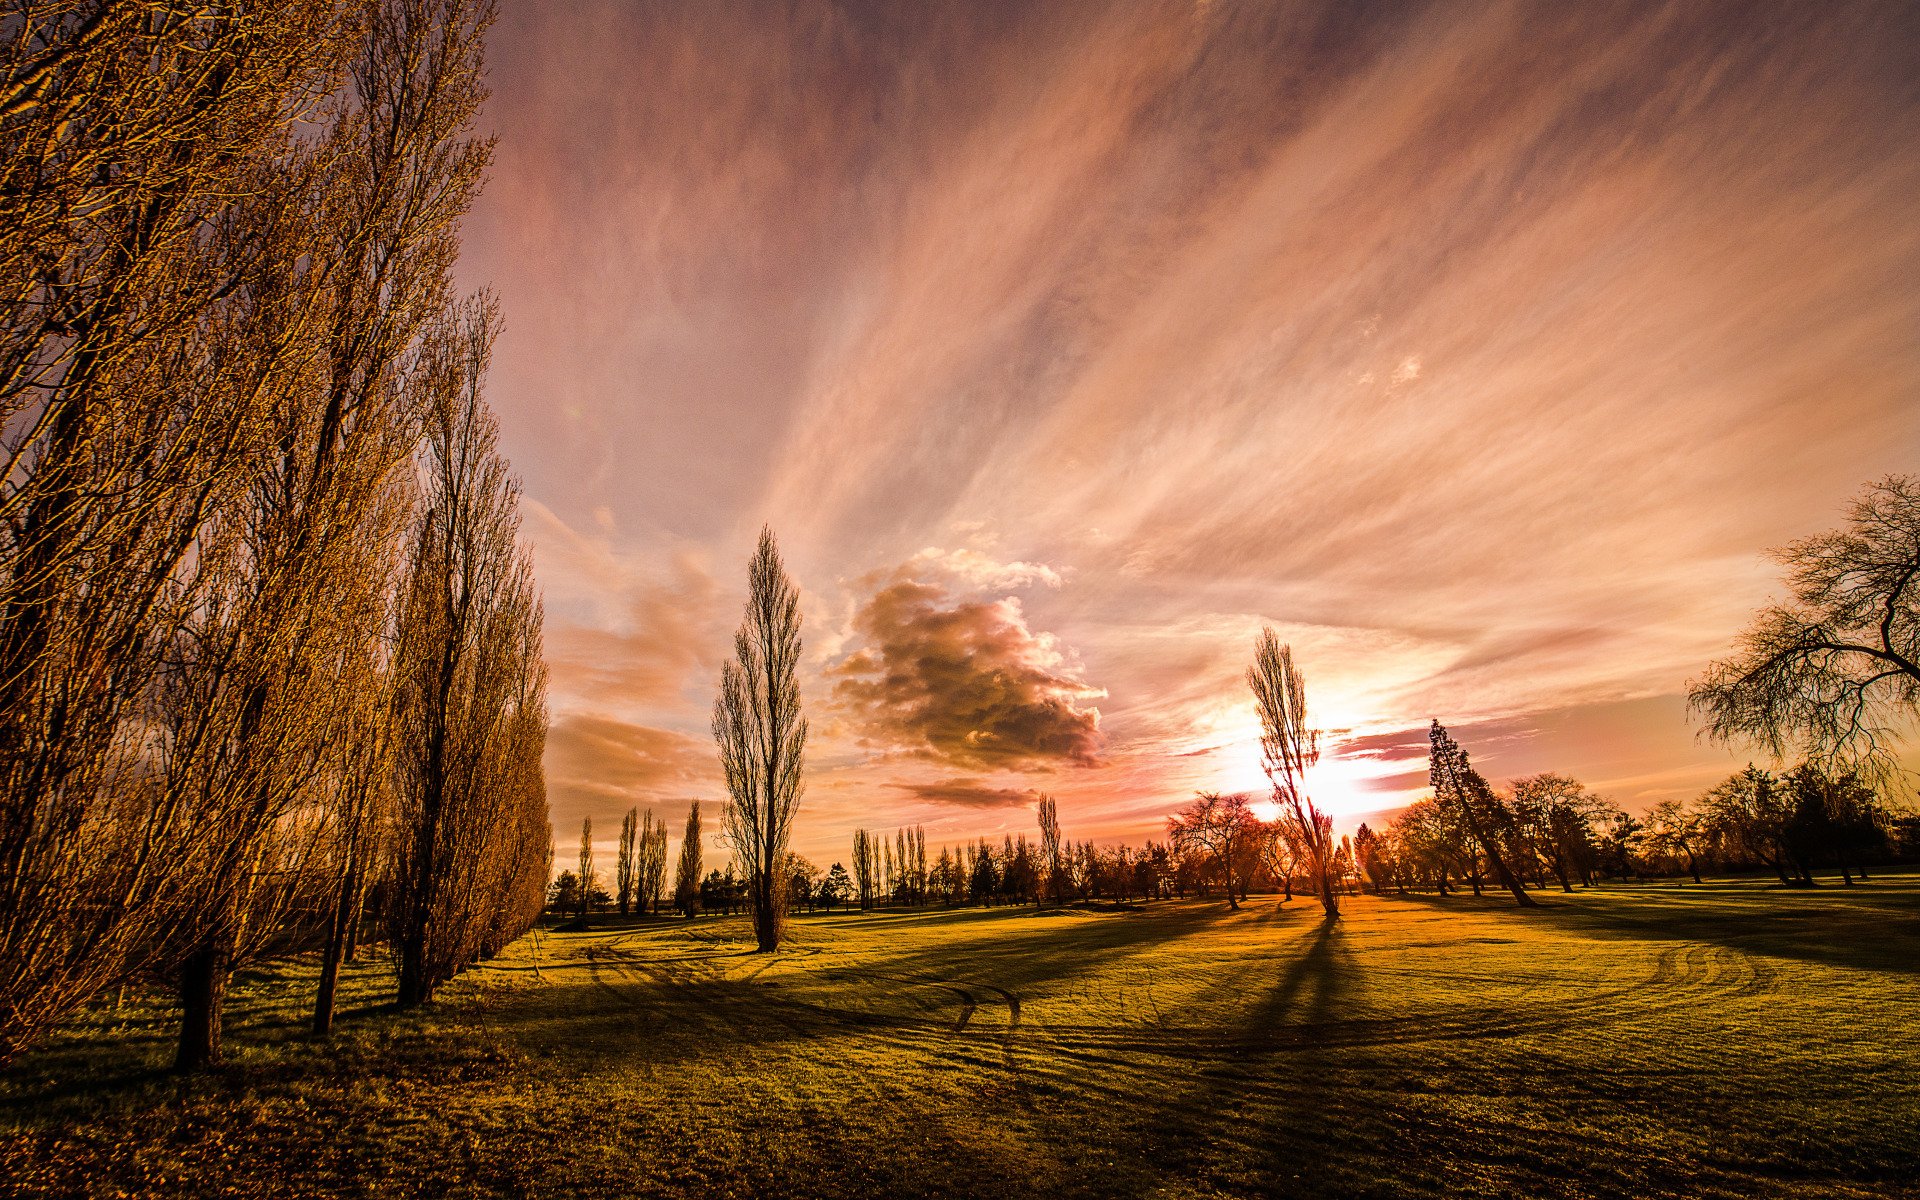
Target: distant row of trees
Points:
(1549, 830)
(270, 656)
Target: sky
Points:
(1480, 350)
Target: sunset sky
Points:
(1481, 350)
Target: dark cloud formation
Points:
(965, 681)
(967, 792)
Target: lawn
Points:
(1732, 1039)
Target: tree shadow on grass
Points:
(1283, 1100)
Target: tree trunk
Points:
(415, 988)
(356, 917)
(203, 989)
(1560, 873)
(335, 952)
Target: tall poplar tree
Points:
(762, 736)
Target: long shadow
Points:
(1868, 928)
(1271, 1099)
(997, 959)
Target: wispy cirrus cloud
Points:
(1480, 349)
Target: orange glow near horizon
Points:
(1064, 347)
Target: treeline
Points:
(270, 655)
(1549, 831)
(899, 873)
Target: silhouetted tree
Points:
(762, 736)
(1456, 785)
(651, 872)
(1288, 749)
(1833, 673)
(800, 876)
(1674, 829)
(686, 881)
(1221, 827)
(626, 864)
(864, 868)
(589, 874)
(1050, 861)
(836, 888)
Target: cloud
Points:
(1482, 354)
(967, 792)
(595, 764)
(965, 681)
(977, 570)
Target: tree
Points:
(836, 888)
(1753, 815)
(1558, 816)
(1457, 786)
(762, 736)
(800, 876)
(1288, 749)
(1050, 863)
(589, 874)
(226, 238)
(1221, 827)
(1674, 829)
(470, 709)
(686, 880)
(651, 870)
(984, 879)
(164, 286)
(564, 893)
(1280, 854)
(1832, 673)
(626, 870)
(1374, 853)
(1833, 814)
(862, 869)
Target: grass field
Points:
(1727, 1040)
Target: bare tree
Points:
(225, 238)
(626, 864)
(470, 709)
(686, 880)
(1056, 880)
(651, 871)
(589, 874)
(762, 737)
(159, 280)
(1222, 827)
(1460, 789)
(863, 868)
(1675, 829)
(1833, 673)
(1557, 815)
(1280, 853)
(1288, 749)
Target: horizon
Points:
(1061, 359)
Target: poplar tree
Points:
(762, 737)
(686, 880)
(1288, 749)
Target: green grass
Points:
(1726, 1040)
